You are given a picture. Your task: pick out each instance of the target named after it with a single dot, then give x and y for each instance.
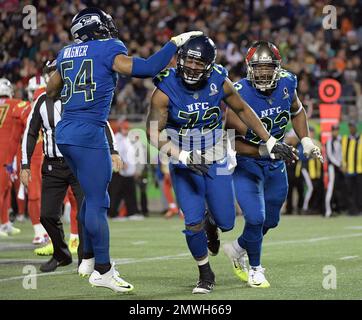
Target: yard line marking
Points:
(117, 261)
(348, 257)
(187, 254)
(138, 243)
(311, 240)
(354, 228)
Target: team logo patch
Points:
(286, 93)
(213, 89)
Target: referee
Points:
(56, 177)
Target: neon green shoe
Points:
(73, 245)
(238, 260)
(47, 250)
(257, 278)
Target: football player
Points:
(187, 103)
(85, 79)
(9, 109)
(260, 178)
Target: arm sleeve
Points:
(31, 133)
(111, 140)
(150, 67)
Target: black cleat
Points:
(213, 241)
(53, 264)
(204, 286)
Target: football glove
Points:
(194, 161)
(310, 150)
(183, 37)
(263, 152)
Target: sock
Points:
(251, 240)
(102, 268)
(206, 272)
(197, 243)
(237, 247)
(39, 230)
(73, 236)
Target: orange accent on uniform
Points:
(38, 92)
(7, 123)
(34, 188)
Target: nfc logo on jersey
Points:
(197, 106)
(271, 111)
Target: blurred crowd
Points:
(295, 26)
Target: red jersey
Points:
(9, 123)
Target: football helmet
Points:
(195, 60)
(92, 24)
(263, 62)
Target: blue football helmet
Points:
(93, 24)
(195, 60)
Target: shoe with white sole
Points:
(9, 229)
(86, 267)
(3, 234)
(257, 278)
(239, 260)
(40, 240)
(110, 280)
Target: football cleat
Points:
(3, 234)
(47, 250)
(110, 280)
(10, 230)
(40, 240)
(213, 241)
(204, 286)
(238, 260)
(86, 267)
(73, 245)
(171, 212)
(257, 278)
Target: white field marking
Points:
(138, 243)
(354, 227)
(117, 261)
(182, 255)
(348, 257)
(312, 240)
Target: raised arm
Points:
(150, 67)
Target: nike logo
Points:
(283, 169)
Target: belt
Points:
(55, 159)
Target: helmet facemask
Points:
(264, 75)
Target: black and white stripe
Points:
(45, 115)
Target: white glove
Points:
(310, 150)
(231, 156)
(270, 144)
(183, 37)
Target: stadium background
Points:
(308, 50)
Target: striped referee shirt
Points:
(45, 115)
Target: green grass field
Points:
(152, 254)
